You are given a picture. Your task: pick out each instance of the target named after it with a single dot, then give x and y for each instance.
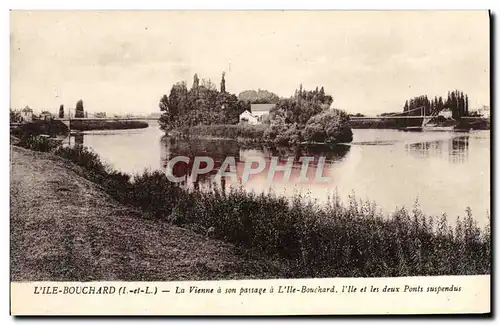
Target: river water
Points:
(446, 171)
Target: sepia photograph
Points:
(208, 146)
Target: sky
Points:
(124, 61)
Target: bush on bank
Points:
(349, 240)
(37, 143)
(225, 131)
(89, 125)
(331, 126)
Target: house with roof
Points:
(46, 115)
(247, 117)
(27, 114)
(261, 110)
(446, 113)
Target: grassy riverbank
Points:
(241, 132)
(65, 228)
(314, 241)
(83, 125)
(37, 127)
(474, 123)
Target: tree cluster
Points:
(317, 95)
(329, 126)
(456, 101)
(307, 116)
(259, 97)
(202, 104)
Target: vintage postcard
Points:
(250, 162)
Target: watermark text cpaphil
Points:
(304, 169)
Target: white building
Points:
(446, 113)
(260, 110)
(45, 115)
(484, 111)
(27, 114)
(247, 117)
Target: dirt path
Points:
(64, 227)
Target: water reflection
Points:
(455, 150)
(459, 152)
(389, 167)
(74, 139)
(216, 150)
(222, 152)
(426, 149)
(79, 139)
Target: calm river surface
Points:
(446, 171)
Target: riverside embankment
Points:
(299, 237)
(65, 228)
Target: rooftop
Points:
(262, 107)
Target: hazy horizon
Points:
(124, 61)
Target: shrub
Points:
(337, 239)
(228, 131)
(39, 127)
(281, 133)
(118, 185)
(84, 157)
(38, 143)
(154, 193)
(331, 126)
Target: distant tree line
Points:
(456, 101)
(259, 97)
(15, 115)
(202, 104)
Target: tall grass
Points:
(336, 239)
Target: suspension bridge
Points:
(402, 115)
(407, 121)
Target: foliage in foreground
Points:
(352, 240)
(37, 143)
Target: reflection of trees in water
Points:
(459, 149)
(76, 139)
(79, 139)
(426, 149)
(198, 147)
(219, 150)
(456, 149)
(331, 153)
